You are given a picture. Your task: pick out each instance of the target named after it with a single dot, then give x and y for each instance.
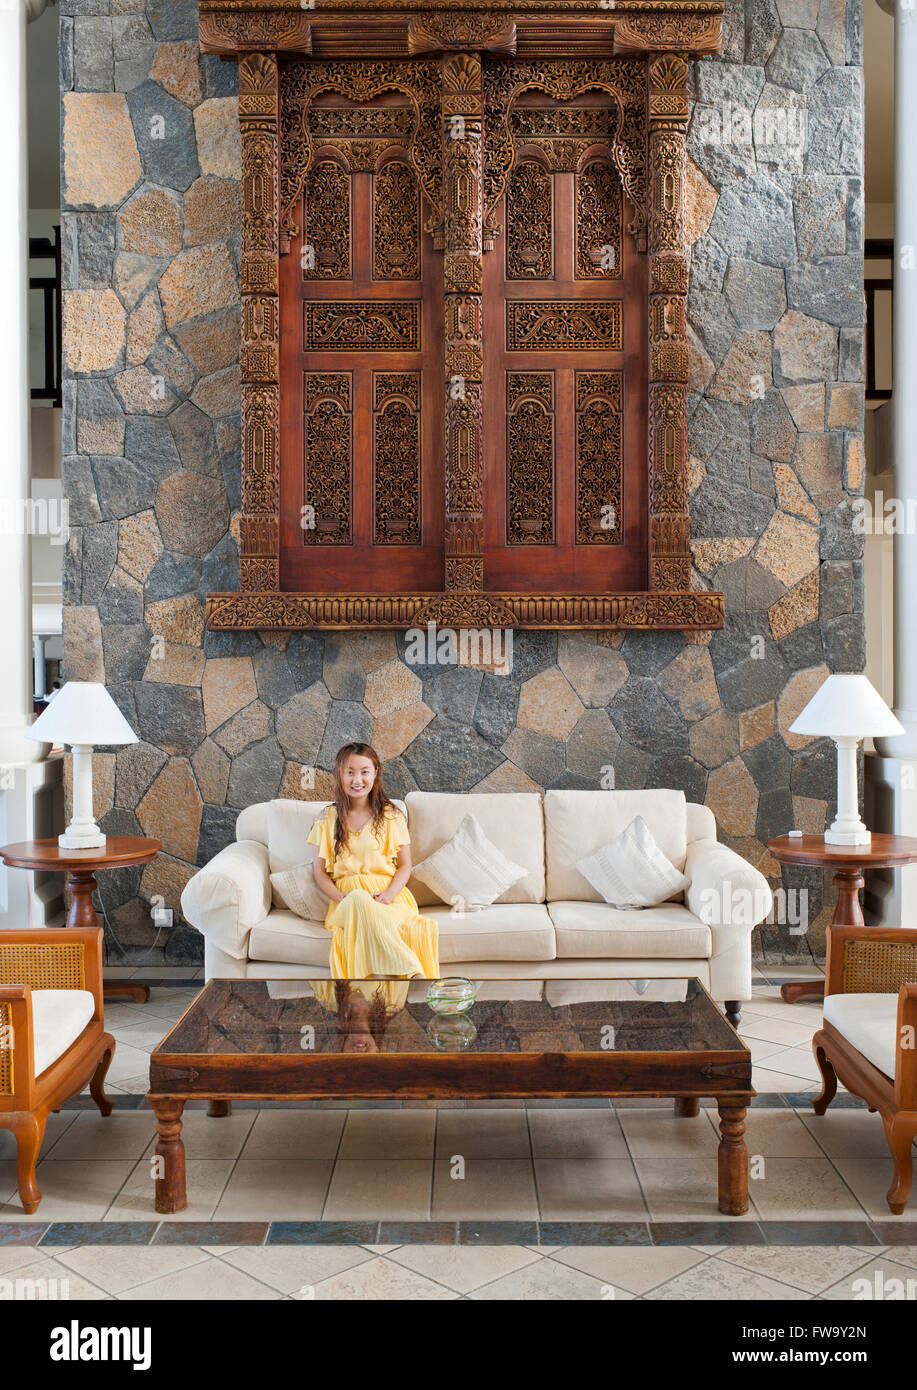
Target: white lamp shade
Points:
(844, 706)
(82, 712)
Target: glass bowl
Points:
(451, 1032)
(451, 996)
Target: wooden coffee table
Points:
(304, 1040)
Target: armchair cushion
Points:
(869, 1022)
(58, 1018)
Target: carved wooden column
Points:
(670, 556)
(258, 119)
(463, 202)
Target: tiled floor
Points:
(552, 1200)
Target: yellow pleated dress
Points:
(371, 938)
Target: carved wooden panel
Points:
(464, 347)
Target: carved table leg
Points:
(732, 1160)
(219, 1108)
(82, 885)
(170, 1185)
(847, 913)
(687, 1106)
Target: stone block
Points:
(191, 512)
(164, 132)
(301, 724)
(540, 757)
(756, 293)
(176, 68)
(805, 349)
(94, 330)
(216, 124)
(199, 281)
(213, 210)
(348, 722)
(122, 487)
(134, 50)
(548, 704)
(453, 691)
(151, 223)
(101, 161)
(444, 754)
(211, 769)
(394, 732)
(754, 220)
(228, 686)
(171, 810)
(170, 716)
(591, 746)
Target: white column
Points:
(15, 483)
(904, 398)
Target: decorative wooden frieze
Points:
(463, 251)
(235, 29)
(461, 31)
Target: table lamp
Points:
(84, 715)
(846, 708)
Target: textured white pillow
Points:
(296, 890)
(469, 867)
(631, 871)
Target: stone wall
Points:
(151, 212)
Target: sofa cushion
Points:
(578, 823)
(58, 1018)
(631, 871)
(512, 820)
(288, 826)
(869, 1022)
(296, 891)
(283, 936)
(504, 931)
(469, 868)
(669, 931)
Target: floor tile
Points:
(464, 1267)
(381, 1279)
(870, 1179)
(140, 1036)
(763, 1079)
(263, 1189)
(293, 1269)
(683, 1189)
(205, 1179)
(92, 1136)
(759, 1049)
(776, 1030)
(812, 1268)
(56, 1126)
(808, 1189)
(492, 1189)
(396, 1189)
(209, 1136)
(72, 1190)
(127, 1061)
(775, 1133)
(62, 1283)
(210, 1279)
(483, 1134)
(717, 1280)
(212, 1236)
(577, 1189)
(876, 1276)
(635, 1270)
(848, 1133)
(299, 1134)
(116, 1268)
(576, 1134)
(654, 1135)
(546, 1281)
(388, 1134)
(796, 1061)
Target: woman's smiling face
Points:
(358, 775)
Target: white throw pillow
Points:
(631, 871)
(296, 890)
(469, 867)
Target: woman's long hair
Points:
(379, 804)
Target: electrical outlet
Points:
(163, 916)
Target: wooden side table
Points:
(849, 863)
(81, 866)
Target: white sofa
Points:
(551, 925)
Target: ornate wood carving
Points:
(668, 106)
(396, 458)
(530, 458)
(463, 244)
(400, 94)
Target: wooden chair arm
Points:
(906, 1049)
(54, 958)
(16, 1040)
(870, 959)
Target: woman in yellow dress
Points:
(362, 862)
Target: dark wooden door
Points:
(361, 365)
(565, 384)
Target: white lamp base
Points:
(861, 836)
(91, 839)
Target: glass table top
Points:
(245, 1017)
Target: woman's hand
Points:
(386, 896)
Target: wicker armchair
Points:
(52, 1035)
(869, 1035)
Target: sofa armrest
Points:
(725, 891)
(230, 895)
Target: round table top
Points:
(882, 851)
(118, 850)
